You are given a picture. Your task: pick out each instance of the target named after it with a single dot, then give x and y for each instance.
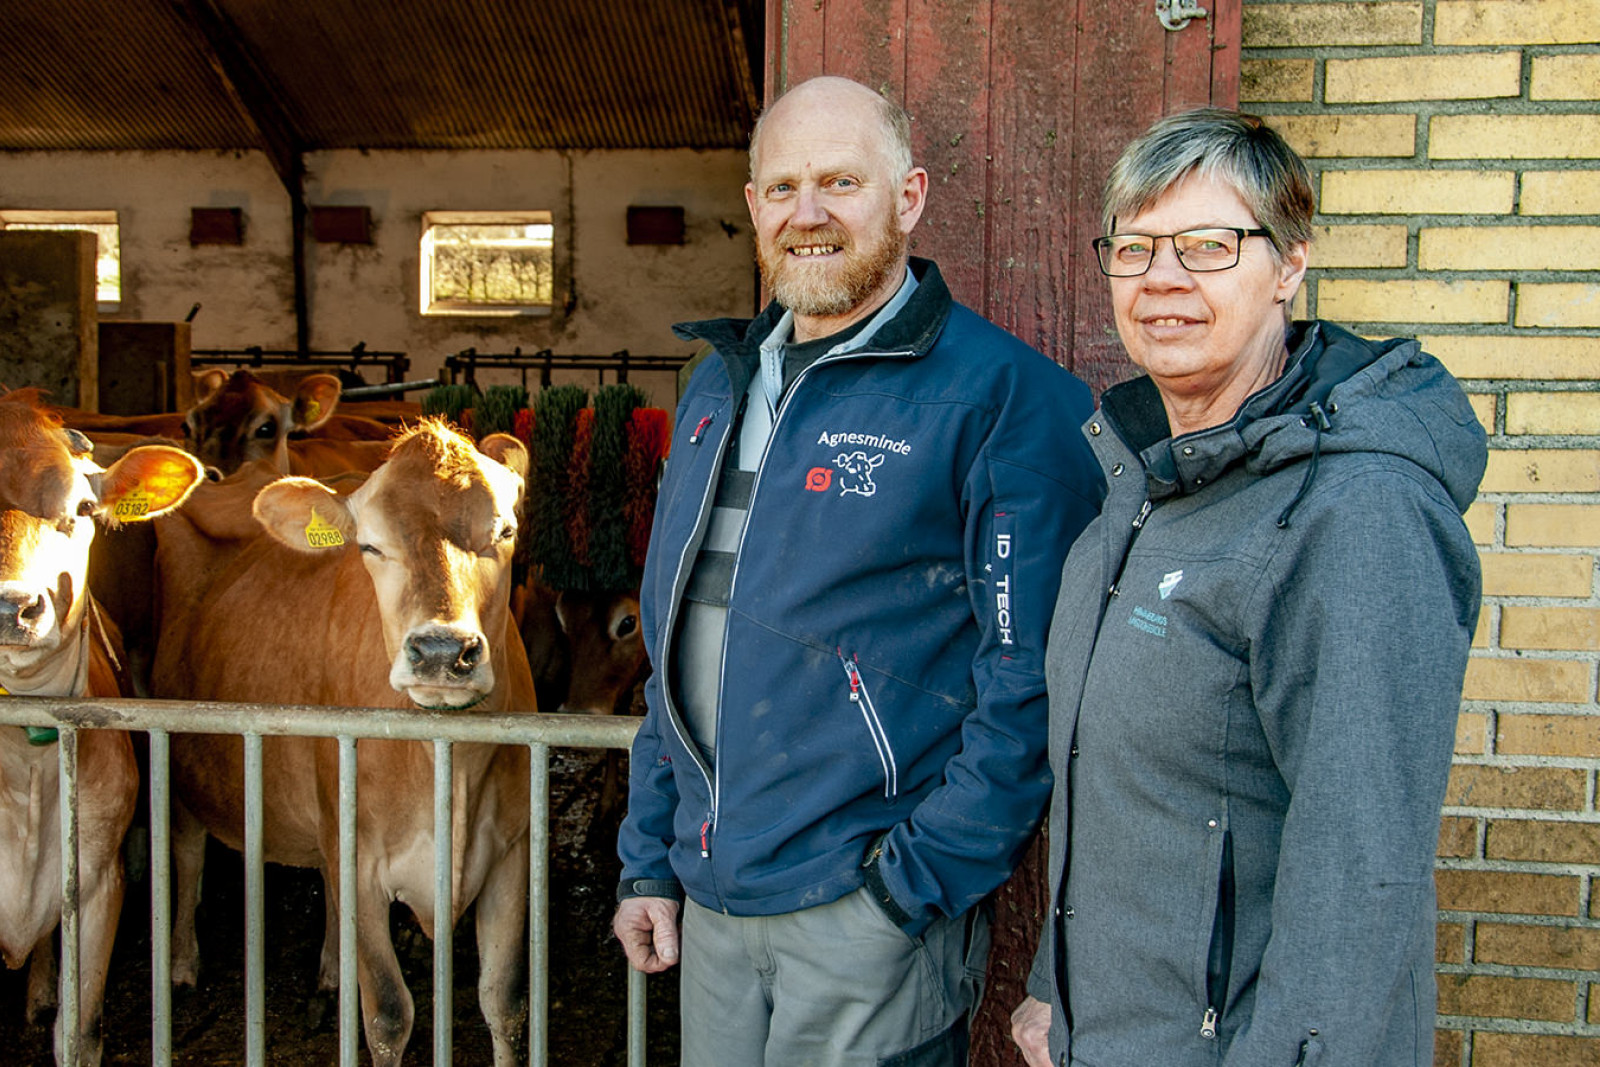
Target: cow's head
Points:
(51, 492)
(435, 526)
(238, 418)
(606, 649)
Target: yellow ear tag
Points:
(135, 504)
(320, 533)
(313, 409)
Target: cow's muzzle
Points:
(26, 615)
(443, 667)
(436, 654)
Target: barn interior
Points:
(515, 192)
(186, 183)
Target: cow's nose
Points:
(436, 653)
(471, 654)
(21, 611)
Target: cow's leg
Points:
(188, 864)
(102, 907)
(328, 970)
(502, 947)
(386, 1007)
(41, 978)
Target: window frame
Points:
(71, 220)
(432, 308)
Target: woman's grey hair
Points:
(1211, 142)
(896, 143)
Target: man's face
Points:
(831, 216)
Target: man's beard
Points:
(828, 290)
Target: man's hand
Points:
(648, 930)
(1030, 1029)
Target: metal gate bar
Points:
(68, 755)
(539, 901)
(161, 717)
(255, 926)
(349, 991)
(160, 902)
(443, 912)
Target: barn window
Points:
(487, 263)
(103, 224)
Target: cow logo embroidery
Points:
(1169, 582)
(819, 479)
(857, 476)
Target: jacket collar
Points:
(911, 333)
(1319, 360)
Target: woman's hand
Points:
(1030, 1029)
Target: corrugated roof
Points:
(321, 74)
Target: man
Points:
(857, 543)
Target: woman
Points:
(1257, 653)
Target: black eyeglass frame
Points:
(1102, 244)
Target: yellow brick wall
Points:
(1455, 146)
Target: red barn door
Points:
(1019, 108)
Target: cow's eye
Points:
(507, 532)
(268, 430)
(626, 625)
(371, 550)
(85, 508)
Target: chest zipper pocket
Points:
(869, 715)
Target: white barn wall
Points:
(620, 296)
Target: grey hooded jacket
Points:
(1254, 672)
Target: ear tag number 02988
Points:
(320, 533)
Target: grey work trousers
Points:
(838, 985)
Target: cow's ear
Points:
(207, 382)
(148, 481)
(315, 401)
(506, 450)
(304, 514)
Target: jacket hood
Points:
(913, 331)
(1340, 393)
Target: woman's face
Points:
(1210, 339)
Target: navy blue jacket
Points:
(885, 631)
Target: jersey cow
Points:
(393, 595)
(54, 641)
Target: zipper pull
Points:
(852, 672)
(1208, 1024)
(700, 429)
(1138, 521)
(705, 846)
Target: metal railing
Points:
(463, 367)
(394, 364)
(160, 718)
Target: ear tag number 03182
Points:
(135, 504)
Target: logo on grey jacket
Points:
(1169, 582)
(1148, 621)
(857, 476)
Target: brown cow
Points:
(606, 650)
(393, 595)
(237, 418)
(54, 641)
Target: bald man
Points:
(858, 541)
